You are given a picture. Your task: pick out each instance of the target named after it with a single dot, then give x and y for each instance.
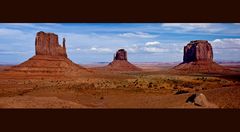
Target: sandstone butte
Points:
(50, 58)
(198, 57)
(120, 62)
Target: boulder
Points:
(200, 100)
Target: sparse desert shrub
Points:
(161, 87)
(175, 86)
(181, 92)
(225, 85)
(201, 78)
(175, 81)
(204, 79)
(135, 82)
(188, 85)
(150, 85)
(214, 80)
(81, 86)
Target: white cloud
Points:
(9, 32)
(101, 50)
(15, 41)
(227, 43)
(226, 49)
(16, 35)
(15, 52)
(132, 48)
(20, 24)
(154, 49)
(138, 35)
(38, 26)
(52, 24)
(75, 40)
(206, 27)
(153, 43)
(199, 25)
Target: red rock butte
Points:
(198, 50)
(198, 57)
(120, 62)
(120, 55)
(47, 44)
(50, 58)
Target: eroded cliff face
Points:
(121, 54)
(50, 59)
(198, 50)
(198, 57)
(47, 44)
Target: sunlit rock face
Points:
(50, 59)
(47, 44)
(198, 57)
(120, 62)
(198, 50)
(121, 54)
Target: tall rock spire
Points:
(64, 46)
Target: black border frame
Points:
(120, 12)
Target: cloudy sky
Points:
(97, 42)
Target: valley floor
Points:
(150, 88)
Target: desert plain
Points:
(153, 87)
(50, 79)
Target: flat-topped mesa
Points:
(121, 54)
(47, 44)
(198, 50)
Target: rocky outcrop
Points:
(198, 50)
(200, 100)
(47, 44)
(50, 59)
(120, 55)
(120, 62)
(198, 57)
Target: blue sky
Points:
(97, 42)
